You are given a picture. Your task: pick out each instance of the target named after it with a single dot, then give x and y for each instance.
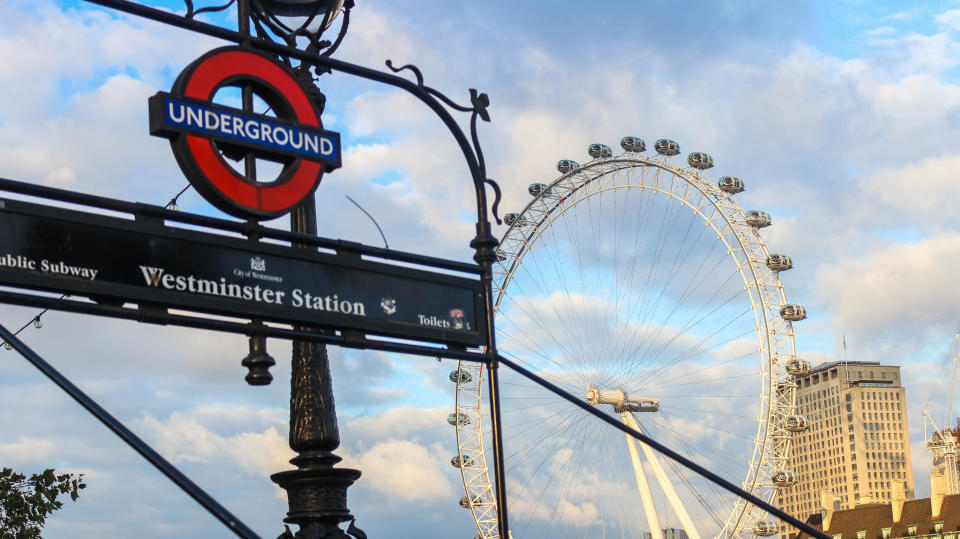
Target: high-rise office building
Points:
(857, 447)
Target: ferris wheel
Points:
(639, 284)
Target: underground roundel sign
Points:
(204, 134)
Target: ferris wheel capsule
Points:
(598, 151)
(466, 504)
(700, 160)
(758, 219)
(536, 188)
(792, 312)
(515, 219)
(464, 462)
(460, 376)
(797, 367)
(567, 165)
(778, 262)
(460, 419)
(666, 147)
(730, 184)
(764, 528)
(633, 144)
(784, 478)
(795, 423)
(501, 256)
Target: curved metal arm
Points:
(191, 12)
(432, 98)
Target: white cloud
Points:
(183, 437)
(918, 194)
(26, 449)
(896, 290)
(403, 470)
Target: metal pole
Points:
(497, 435)
(243, 26)
(485, 245)
(316, 491)
(138, 445)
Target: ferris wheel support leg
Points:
(664, 481)
(643, 485)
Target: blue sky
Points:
(841, 117)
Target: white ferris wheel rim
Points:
(771, 443)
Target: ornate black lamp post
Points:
(316, 491)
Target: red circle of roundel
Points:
(201, 161)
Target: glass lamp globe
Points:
(304, 8)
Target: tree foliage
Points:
(26, 502)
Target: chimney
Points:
(897, 496)
(938, 488)
(828, 504)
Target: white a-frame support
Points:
(652, 520)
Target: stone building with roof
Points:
(936, 517)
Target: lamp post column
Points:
(316, 491)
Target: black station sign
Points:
(116, 260)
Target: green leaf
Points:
(25, 503)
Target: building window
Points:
(885, 533)
(938, 527)
(912, 530)
(861, 534)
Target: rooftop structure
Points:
(936, 517)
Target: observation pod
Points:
(700, 160)
(784, 478)
(465, 502)
(797, 367)
(458, 419)
(457, 462)
(501, 256)
(598, 151)
(777, 262)
(765, 528)
(515, 218)
(633, 144)
(536, 188)
(730, 184)
(666, 147)
(795, 423)
(460, 376)
(793, 313)
(758, 219)
(566, 165)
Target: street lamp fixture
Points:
(292, 19)
(321, 9)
